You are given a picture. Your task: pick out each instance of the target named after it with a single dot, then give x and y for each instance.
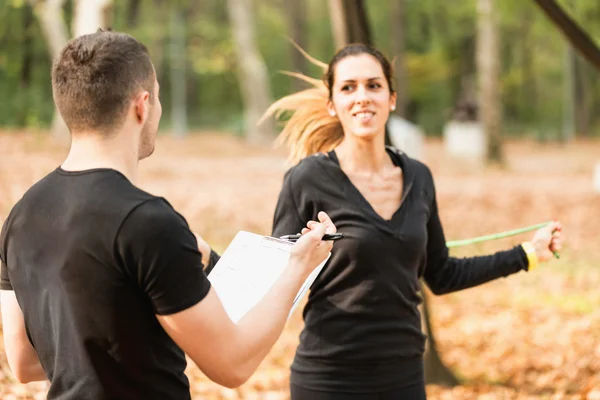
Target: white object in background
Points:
(406, 136)
(597, 177)
(465, 140)
(248, 268)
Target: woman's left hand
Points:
(204, 249)
(547, 240)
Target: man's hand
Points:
(325, 220)
(310, 251)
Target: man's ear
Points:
(141, 106)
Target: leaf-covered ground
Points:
(531, 336)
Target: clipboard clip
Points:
(280, 244)
(327, 236)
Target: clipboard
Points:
(249, 267)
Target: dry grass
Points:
(531, 336)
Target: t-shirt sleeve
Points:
(4, 278)
(160, 254)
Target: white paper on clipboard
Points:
(247, 270)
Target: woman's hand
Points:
(547, 240)
(204, 249)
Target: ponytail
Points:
(310, 129)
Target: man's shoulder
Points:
(152, 215)
(98, 183)
(104, 196)
(43, 185)
(154, 209)
(30, 197)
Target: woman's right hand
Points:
(310, 251)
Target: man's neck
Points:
(90, 151)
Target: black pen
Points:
(327, 236)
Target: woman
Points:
(362, 337)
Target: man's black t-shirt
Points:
(92, 259)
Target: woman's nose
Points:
(362, 95)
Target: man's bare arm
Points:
(22, 357)
(228, 353)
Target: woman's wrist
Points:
(532, 257)
(204, 249)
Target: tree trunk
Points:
(50, 16)
(488, 70)
(26, 63)
(568, 94)
(133, 13)
(156, 45)
(357, 22)
(338, 23)
(89, 16)
(435, 370)
(528, 90)
(252, 72)
(178, 76)
(108, 14)
(349, 22)
(296, 21)
(397, 50)
(464, 88)
(583, 97)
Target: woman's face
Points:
(361, 97)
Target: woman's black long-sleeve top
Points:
(362, 327)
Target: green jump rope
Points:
(465, 242)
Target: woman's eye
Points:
(346, 88)
(374, 85)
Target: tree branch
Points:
(578, 37)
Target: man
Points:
(102, 283)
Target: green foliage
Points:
(24, 91)
(440, 42)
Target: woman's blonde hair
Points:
(311, 129)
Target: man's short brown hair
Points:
(95, 77)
